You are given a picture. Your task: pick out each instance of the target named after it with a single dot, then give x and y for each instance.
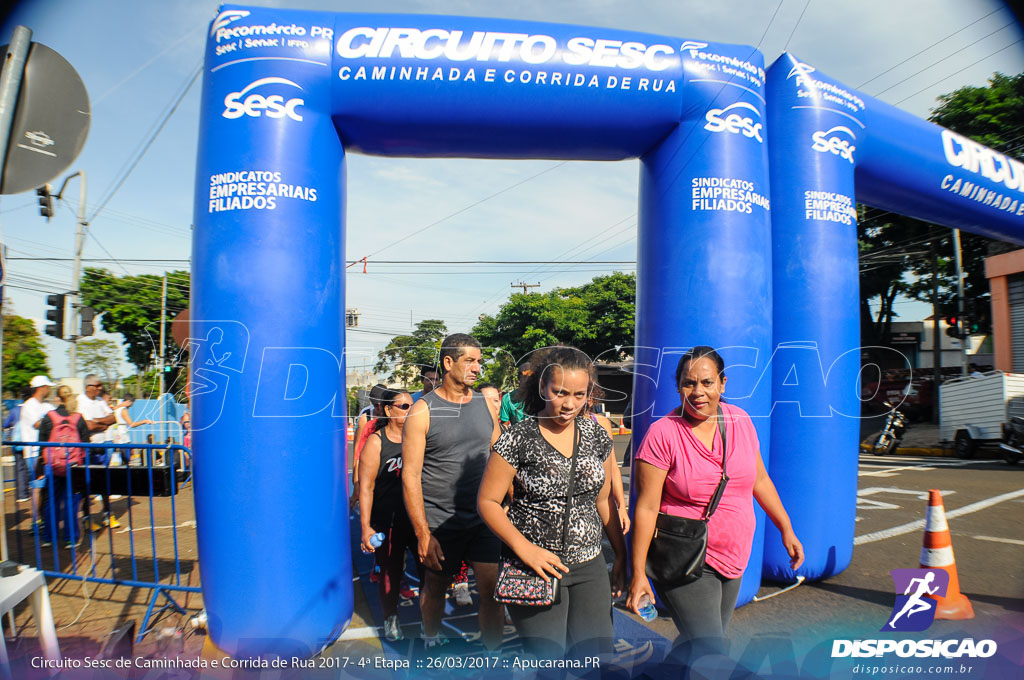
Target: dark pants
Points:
(390, 557)
(21, 475)
(58, 513)
(581, 622)
(701, 611)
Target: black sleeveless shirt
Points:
(388, 505)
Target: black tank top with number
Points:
(387, 489)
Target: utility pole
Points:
(524, 286)
(960, 300)
(936, 336)
(10, 83)
(76, 273)
(160, 394)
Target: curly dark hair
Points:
(530, 392)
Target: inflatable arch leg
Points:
(271, 478)
(704, 269)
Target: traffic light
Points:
(87, 314)
(954, 328)
(56, 315)
(45, 201)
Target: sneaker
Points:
(94, 525)
(408, 593)
(111, 522)
(434, 643)
(23, 500)
(116, 496)
(392, 631)
(462, 597)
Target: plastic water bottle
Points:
(377, 540)
(647, 609)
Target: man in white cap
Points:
(98, 418)
(32, 412)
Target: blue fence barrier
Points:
(59, 526)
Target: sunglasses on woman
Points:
(404, 407)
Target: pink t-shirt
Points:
(693, 474)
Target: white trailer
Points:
(972, 410)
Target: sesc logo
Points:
(835, 145)
(735, 122)
(255, 104)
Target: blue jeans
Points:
(60, 513)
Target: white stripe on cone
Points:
(937, 557)
(936, 519)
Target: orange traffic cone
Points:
(937, 553)
(351, 432)
(622, 426)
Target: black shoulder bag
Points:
(679, 545)
(518, 583)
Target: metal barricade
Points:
(55, 509)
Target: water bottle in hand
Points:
(647, 610)
(377, 540)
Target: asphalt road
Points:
(988, 542)
(984, 502)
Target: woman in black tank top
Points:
(382, 509)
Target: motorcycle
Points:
(891, 434)
(1012, 446)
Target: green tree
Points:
(404, 355)
(24, 355)
(99, 356)
(143, 386)
(131, 307)
(597, 317)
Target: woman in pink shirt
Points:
(678, 467)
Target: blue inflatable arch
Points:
(287, 93)
(831, 147)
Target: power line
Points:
(769, 25)
(799, 19)
(937, 82)
(936, 63)
(960, 30)
(148, 143)
(468, 207)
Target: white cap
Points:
(41, 381)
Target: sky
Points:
(135, 59)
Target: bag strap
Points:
(720, 489)
(572, 485)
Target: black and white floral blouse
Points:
(541, 484)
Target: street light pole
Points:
(76, 274)
(960, 301)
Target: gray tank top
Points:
(458, 445)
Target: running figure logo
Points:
(914, 609)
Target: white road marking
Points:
(864, 503)
(1011, 541)
(888, 471)
(919, 524)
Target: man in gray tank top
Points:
(446, 442)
